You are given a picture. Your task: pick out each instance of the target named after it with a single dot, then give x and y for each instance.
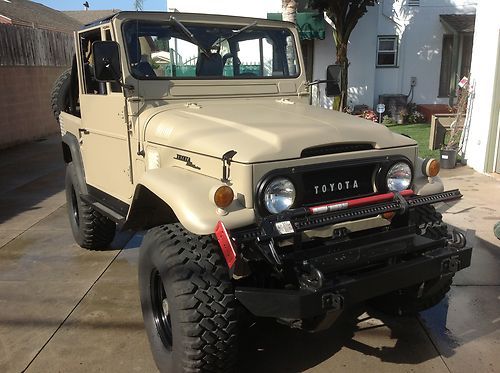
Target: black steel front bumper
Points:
(346, 290)
(418, 259)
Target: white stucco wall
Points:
(485, 102)
(324, 52)
(421, 34)
(362, 60)
(421, 37)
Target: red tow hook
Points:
(226, 244)
(321, 209)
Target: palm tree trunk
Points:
(289, 9)
(289, 13)
(343, 61)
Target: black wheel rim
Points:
(74, 207)
(161, 314)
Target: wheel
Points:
(91, 229)
(188, 303)
(59, 97)
(411, 300)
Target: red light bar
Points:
(321, 209)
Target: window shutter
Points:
(413, 2)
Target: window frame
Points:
(102, 87)
(394, 51)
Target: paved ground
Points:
(63, 309)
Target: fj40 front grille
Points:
(333, 181)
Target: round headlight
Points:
(279, 195)
(399, 177)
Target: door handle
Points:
(83, 130)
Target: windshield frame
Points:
(236, 26)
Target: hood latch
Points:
(227, 158)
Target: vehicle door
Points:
(104, 133)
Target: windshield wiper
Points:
(189, 34)
(236, 33)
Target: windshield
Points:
(163, 50)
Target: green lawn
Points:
(419, 133)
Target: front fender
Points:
(190, 196)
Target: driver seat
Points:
(211, 65)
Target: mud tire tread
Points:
(95, 231)
(59, 98)
(204, 298)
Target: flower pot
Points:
(448, 158)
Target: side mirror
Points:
(106, 61)
(333, 80)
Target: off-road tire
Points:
(411, 300)
(59, 97)
(198, 332)
(91, 229)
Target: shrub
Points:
(387, 120)
(413, 116)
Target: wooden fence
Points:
(24, 46)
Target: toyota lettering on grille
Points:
(336, 186)
(337, 183)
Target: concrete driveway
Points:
(65, 309)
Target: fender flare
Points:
(71, 153)
(187, 198)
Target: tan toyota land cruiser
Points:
(198, 129)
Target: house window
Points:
(387, 51)
(413, 2)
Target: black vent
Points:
(334, 149)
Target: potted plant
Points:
(448, 153)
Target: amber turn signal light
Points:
(223, 196)
(431, 167)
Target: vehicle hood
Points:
(260, 130)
